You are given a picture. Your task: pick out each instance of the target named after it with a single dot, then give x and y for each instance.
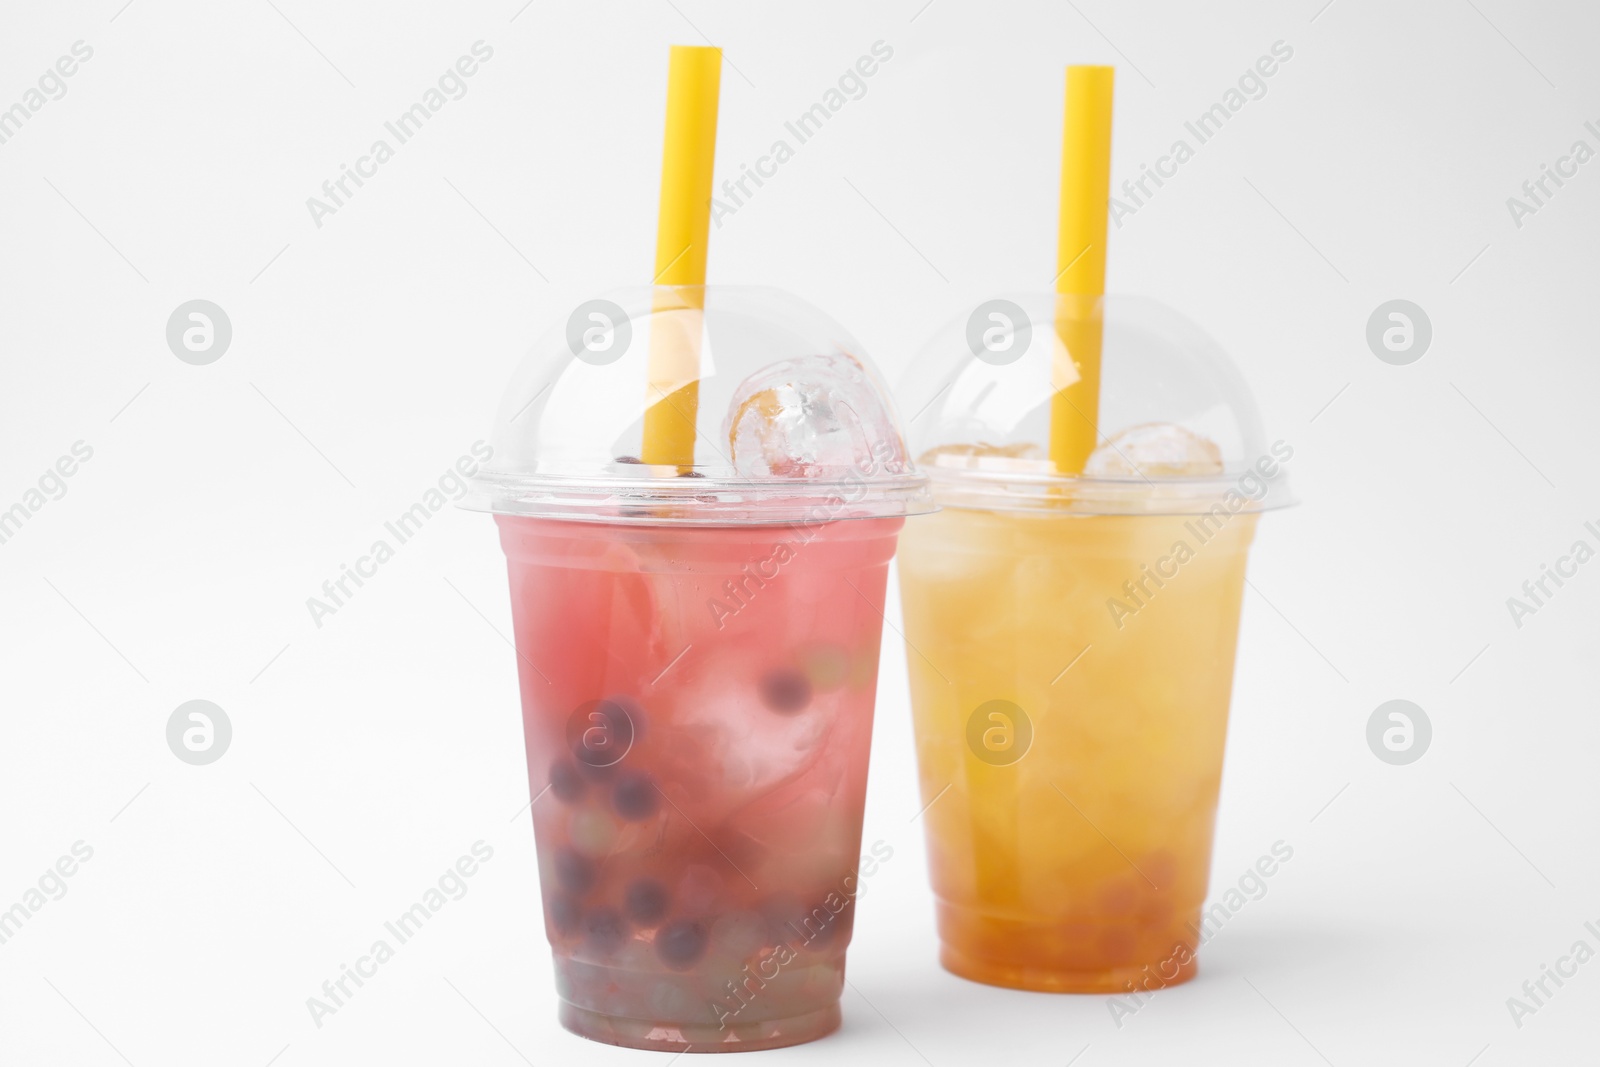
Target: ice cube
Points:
(813, 417)
(742, 746)
(740, 933)
(1020, 456)
(1155, 450)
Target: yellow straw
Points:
(693, 78)
(1081, 259)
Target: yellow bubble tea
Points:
(1070, 680)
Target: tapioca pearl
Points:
(564, 914)
(681, 943)
(700, 889)
(783, 912)
(635, 712)
(821, 928)
(1161, 867)
(822, 982)
(719, 968)
(639, 956)
(593, 772)
(677, 1000)
(785, 690)
(740, 933)
(844, 922)
(817, 979)
(827, 665)
(574, 872)
(565, 781)
(1076, 936)
(592, 832)
(645, 901)
(595, 988)
(604, 931)
(1155, 909)
(1119, 897)
(634, 795)
(1118, 946)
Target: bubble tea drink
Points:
(1071, 612)
(1071, 643)
(698, 651)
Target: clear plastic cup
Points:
(698, 649)
(1071, 641)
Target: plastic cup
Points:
(1071, 643)
(698, 652)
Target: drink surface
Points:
(697, 707)
(1070, 682)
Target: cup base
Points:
(700, 1037)
(1052, 980)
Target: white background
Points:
(368, 354)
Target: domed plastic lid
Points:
(1179, 432)
(703, 405)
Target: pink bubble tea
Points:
(697, 706)
(697, 642)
